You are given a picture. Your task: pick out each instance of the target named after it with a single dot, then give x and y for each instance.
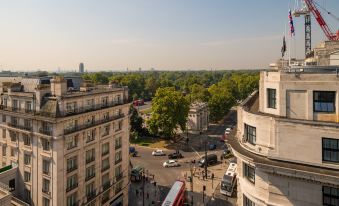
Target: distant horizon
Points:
(166, 35)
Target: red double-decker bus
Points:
(176, 196)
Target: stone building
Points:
(70, 142)
(287, 139)
(198, 117)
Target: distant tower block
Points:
(81, 68)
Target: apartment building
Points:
(287, 139)
(69, 140)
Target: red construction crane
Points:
(314, 10)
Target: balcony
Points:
(71, 187)
(117, 190)
(105, 168)
(46, 131)
(17, 110)
(98, 122)
(46, 191)
(16, 125)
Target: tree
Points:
(169, 112)
(198, 93)
(135, 121)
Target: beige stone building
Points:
(197, 120)
(287, 139)
(70, 142)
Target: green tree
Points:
(169, 112)
(135, 121)
(198, 93)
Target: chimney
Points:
(58, 86)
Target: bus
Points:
(229, 180)
(176, 196)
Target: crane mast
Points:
(322, 23)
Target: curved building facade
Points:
(287, 139)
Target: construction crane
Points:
(308, 8)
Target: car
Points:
(211, 159)
(170, 163)
(228, 129)
(225, 153)
(212, 146)
(175, 155)
(158, 152)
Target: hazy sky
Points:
(164, 34)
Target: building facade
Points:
(70, 144)
(287, 139)
(81, 68)
(198, 117)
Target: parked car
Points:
(170, 163)
(211, 159)
(212, 146)
(175, 155)
(225, 153)
(158, 152)
(133, 152)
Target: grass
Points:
(153, 143)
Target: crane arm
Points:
(311, 6)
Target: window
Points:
(90, 103)
(27, 139)
(72, 142)
(250, 134)
(90, 135)
(27, 176)
(12, 152)
(45, 166)
(118, 157)
(4, 133)
(249, 172)
(118, 143)
(72, 199)
(90, 190)
(15, 105)
(105, 197)
(11, 185)
(4, 148)
(105, 164)
(3, 118)
(331, 150)
(45, 144)
(106, 130)
(71, 126)
(118, 187)
(46, 128)
(90, 155)
(104, 101)
(330, 196)
(118, 173)
(323, 101)
(45, 185)
(105, 181)
(27, 159)
(72, 164)
(28, 124)
(45, 201)
(13, 136)
(72, 182)
(90, 120)
(71, 107)
(28, 106)
(105, 148)
(106, 116)
(247, 202)
(5, 102)
(271, 98)
(119, 126)
(90, 172)
(27, 195)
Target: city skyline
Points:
(165, 35)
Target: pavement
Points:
(146, 193)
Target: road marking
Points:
(196, 152)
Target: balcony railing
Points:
(16, 125)
(117, 190)
(90, 177)
(46, 131)
(105, 168)
(89, 160)
(91, 195)
(118, 146)
(98, 122)
(77, 110)
(72, 187)
(72, 168)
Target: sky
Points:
(162, 34)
